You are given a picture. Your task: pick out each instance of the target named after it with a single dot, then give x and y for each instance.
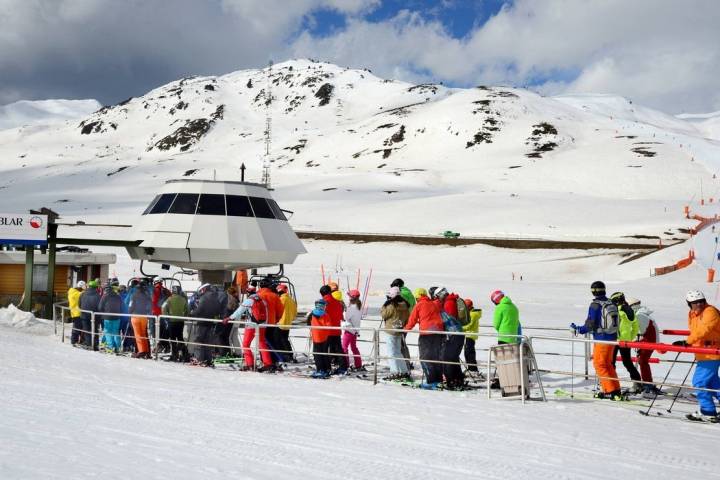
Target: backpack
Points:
(451, 323)
(463, 313)
(259, 309)
(609, 317)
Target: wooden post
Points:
(29, 263)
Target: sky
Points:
(658, 53)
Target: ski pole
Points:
(647, 412)
(677, 394)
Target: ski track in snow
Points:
(69, 413)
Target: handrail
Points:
(375, 341)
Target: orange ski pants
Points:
(603, 363)
(139, 325)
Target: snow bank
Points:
(24, 321)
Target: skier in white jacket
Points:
(350, 324)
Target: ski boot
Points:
(701, 417)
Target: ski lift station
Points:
(210, 225)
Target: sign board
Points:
(23, 229)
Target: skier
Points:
(453, 345)
(125, 321)
(207, 306)
(471, 330)
(320, 318)
(704, 325)
(351, 322)
(159, 295)
(506, 318)
(427, 314)
(176, 306)
(627, 332)
(410, 299)
(289, 314)
(75, 314)
(89, 300)
(274, 313)
(395, 312)
(111, 303)
(648, 331)
(140, 306)
(254, 309)
(602, 320)
(334, 309)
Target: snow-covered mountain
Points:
(44, 112)
(353, 152)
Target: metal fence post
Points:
(488, 370)
(62, 327)
(587, 358)
(157, 337)
(257, 346)
(376, 349)
(522, 373)
(92, 330)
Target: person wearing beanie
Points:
(73, 296)
(395, 312)
(89, 301)
(506, 318)
(335, 310)
(289, 313)
(319, 318)
(602, 321)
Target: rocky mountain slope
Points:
(353, 152)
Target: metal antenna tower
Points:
(268, 127)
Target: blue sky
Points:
(650, 51)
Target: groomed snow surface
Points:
(70, 413)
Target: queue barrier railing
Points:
(61, 314)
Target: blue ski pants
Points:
(706, 376)
(112, 334)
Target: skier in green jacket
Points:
(177, 306)
(506, 318)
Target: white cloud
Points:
(659, 52)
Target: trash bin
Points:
(507, 361)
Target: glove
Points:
(226, 320)
(680, 343)
(574, 327)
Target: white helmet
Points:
(694, 296)
(157, 280)
(203, 287)
(81, 284)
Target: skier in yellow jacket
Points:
(75, 314)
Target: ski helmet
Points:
(468, 303)
(282, 287)
(618, 298)
(354, 293)
(496, 296)
(81, 285)
(695, 296)
(438, 292)
(203, 287)
(265, 283)
(420, 292)
(398, 282)
(325, 290)
(597, 288)
(157, 280)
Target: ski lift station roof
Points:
(215, 225)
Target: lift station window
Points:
(152, 204)
(211, 204)
(185, 203)
(238, 206)
(261, 208)
(163, 203)
(276, 210)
